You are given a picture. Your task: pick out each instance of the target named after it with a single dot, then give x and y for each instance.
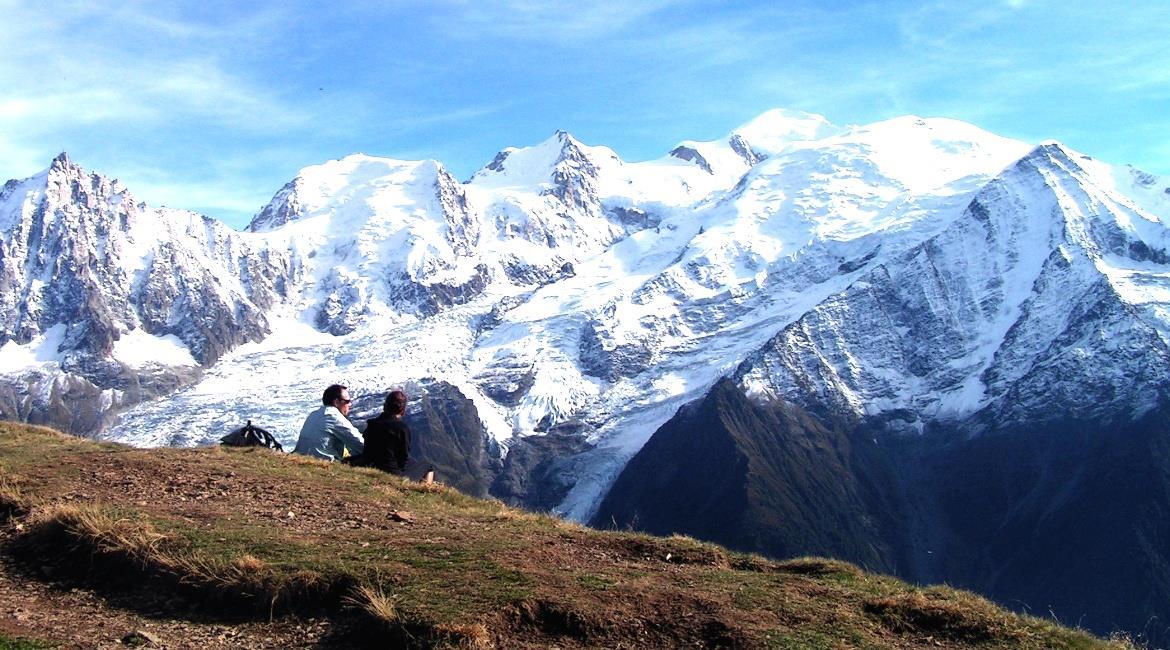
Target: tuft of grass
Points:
(13, 502)
(105, 531)
(818, 566)
(594, 582)
(935, 615)
(22, 643)
(409, 630)
(249, 564)
(374, 602)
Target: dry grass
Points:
(407, 630)
(105, 532)
(13, 502)
(118, 543)
(937, 615)
(249, 564)
(289, 534)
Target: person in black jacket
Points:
(388, 437)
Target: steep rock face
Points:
(447, 435)
(1064, 516)
(463, 227)
(83, 266)
(284, 207)
(538, 470)
(764, 478)
(79, 251)
(986, 314)
(691, 154)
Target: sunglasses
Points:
(344, 401)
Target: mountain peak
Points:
(562, 141)
(314, 187)
(62, 163)
(1055, 148)
(781, 118)
(776, 129)
(1052, 152)
(539, 163)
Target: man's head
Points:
(337, 396)
(395, 403)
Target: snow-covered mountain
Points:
(1047, 297)
(890, 338)
(107, 301)
(905, 271)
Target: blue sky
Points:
(212, 105)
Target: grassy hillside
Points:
(247, 535)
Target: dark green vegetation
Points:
(20, 643)
(1064, 518)
(255, 534)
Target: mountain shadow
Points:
(448, 436)
(1068, 518)
(766, 478)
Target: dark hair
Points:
(395, 403)
(332, 393)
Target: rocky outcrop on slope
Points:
(82, 253)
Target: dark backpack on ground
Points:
(250, 436)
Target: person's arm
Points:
(343, 430)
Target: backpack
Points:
(250, 436)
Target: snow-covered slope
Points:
(1044, 299)
(903, 271)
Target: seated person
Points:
(327, 433)
(387, 437)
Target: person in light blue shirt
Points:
(327, 433)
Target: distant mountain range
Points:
(911, 344)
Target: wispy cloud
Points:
(226, 95)
(79, 64)
(545, 20)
